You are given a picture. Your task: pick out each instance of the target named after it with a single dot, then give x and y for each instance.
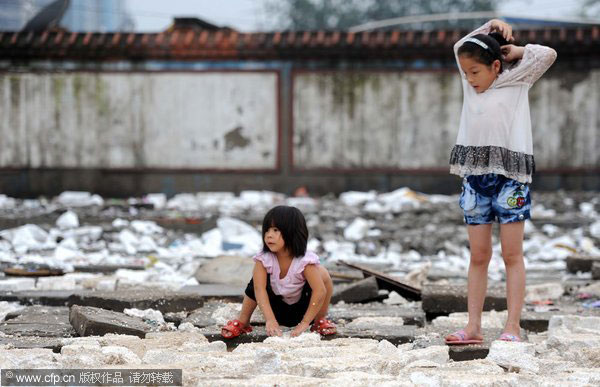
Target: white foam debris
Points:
(79, 199)
(357, 229)
(158, 200)
(67, 220)
(541, 292)
(395, 299)
(9, 307)
(7, 202)
(17, 284)
(29, 237)
(150, 315)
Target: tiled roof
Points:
(230, 44)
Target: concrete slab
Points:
(38, 297)
(106, 269)
(473, 351)
(410, 315)
(40, 321)
(228, 269)
(90, 321)
(359, 291)
(582, 263)
(445, 299)
(224, 292)
(32, 342)
(596, 271)
(162, 300)
(388, 282)
(537, 320)
(398, 335)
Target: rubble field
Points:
(147, 282)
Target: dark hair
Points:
(482, 55)
(291, 224)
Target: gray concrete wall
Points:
(218, 126)
(409, 120)
(201, 120)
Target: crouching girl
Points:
(288, 284)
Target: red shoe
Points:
(234, 328)
(324, 327)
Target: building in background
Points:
(82, 15)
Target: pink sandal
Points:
(462, 339)
(508, 337)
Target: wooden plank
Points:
(388, 282)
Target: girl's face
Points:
(479, 75)
(274, 240)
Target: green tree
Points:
(342, 14)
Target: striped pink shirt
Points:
(290, 286)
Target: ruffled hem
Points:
(481, 160)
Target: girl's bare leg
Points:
(511, 239)
(480, 241)
(329, 291)
(248, 307)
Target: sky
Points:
(248, 15)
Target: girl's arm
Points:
(262, 299)
(534, 61)
(317, 286)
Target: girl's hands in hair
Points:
(273, 328)
(511, 53)
(300, 328)
(503, 28)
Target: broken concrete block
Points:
(164, 301)
(17, 284)
(39, 321)
(158, 340)
(584, 357)
(90, 321)
(593, 289)
(565, 325)
(224, 292)
(25, 358)
(445, 299)
(410, 315)
(359, 291)
(375, 323)
(581, 263)
(596, 271)
(541, 292)
(115, 355)
(388, 282)
(518, 357)
(31, 342)
(489, 320)
(438, 354)
(226, 269)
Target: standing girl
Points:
(288, 284)
(494, 155)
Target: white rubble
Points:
(67, 221)
(79, 199)
(151, 315)
(546, 291)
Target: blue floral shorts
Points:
(485, 198)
